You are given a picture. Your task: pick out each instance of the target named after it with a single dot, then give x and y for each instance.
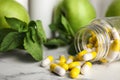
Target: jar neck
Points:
(102, 36)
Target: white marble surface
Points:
(17, 65)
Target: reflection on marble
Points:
(18, 65)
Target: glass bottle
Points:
(106, 30)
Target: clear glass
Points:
(102, 29)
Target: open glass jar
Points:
(103, 37)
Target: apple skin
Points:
(113, 9)
(78, 12)
(11, 8)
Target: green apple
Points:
(11, 8)
(113, 9)
(78, 12)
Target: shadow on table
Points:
(20, 55)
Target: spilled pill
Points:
(47, 61)
(85, 69)
(89, 56)
(62, 59)
(64, 65)
(113, 51)
(74, 73)
(57, 69)
(79, 56)
(74, 64)
(70, 59)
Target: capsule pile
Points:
(81, 63)
(74, 66)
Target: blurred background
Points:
(42, 9)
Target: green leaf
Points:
(39, 29)
(64, 30)
(17, 24)
(67, 26)
(4, 32)
(11, 41)
(33, 45)
(53, 27)
(54, 43)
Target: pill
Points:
(103, 60)
(92, 39)
(86, 67)
(93, 33)
(62, 59)
(89, 45)
(89, 50)
(93, 49)
(96, 49)
(96, 44)
(74, 73)
(79, 56)
(57, 69)
(64, 65)
(47, 61)
(89, 56)
(70, 59)
(113, 51)
(74, 64)
(118, 57)
(115, 34)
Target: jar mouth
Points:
(84, 34)
(103, 41)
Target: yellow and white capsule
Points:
(57, 69)
(96, 44)
(89, 45)
(85, 69)
(113, 51)
(89, 49)
(70, 60)
(103, 60)
(89, 56)
(47, 61)
(79, 56)
(62, 59)
(64, 65)
(115, 33)
(74, 73)
(93, 38)
(74, 64)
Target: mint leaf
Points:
(11, 41)
(17, 24)
(67, 26)
(53, 27)
(54, 43)
(4, 32)
(39, 29)
(32, 44)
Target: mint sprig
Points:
(32, 44)
(31, 37)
